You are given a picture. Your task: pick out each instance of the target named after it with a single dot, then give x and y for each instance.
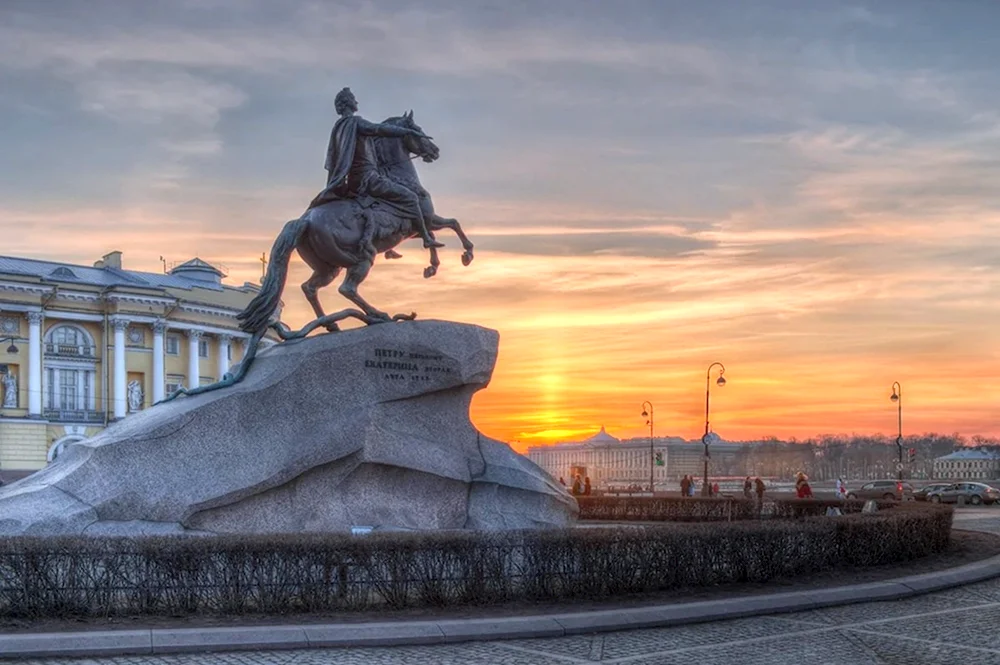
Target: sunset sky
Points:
(808, 192)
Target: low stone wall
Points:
(53, 577)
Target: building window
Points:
(68, 393)
(69, 389)
(68, 340)
(172, 388)
(66, 335)
(173, 345)
(202, 348)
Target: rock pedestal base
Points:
(364, 428)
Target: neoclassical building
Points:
(605, 459)
(612, 463)
(83, 346)
(968, 464)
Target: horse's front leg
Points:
(437, 222)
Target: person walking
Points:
(802, 489)
(748, 488)
(759, 486)
(685, 485)
(586, 486)
(841, 489)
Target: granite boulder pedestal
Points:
(364, 428)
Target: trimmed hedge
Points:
(703, 509)
(62, 577)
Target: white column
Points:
(224, 341)
(193, 372)
(35, 364)
(159, 381)
(121, 377)
(81, 403)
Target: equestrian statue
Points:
(372, 202)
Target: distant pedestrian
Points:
(748, 488)
(586, 486)
(715, 489)
(692, 486)
(685, 485)
(759, 486)
(841, 489)
(802, 489)
(577, 486)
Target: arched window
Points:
(69, 341)
(68, 379)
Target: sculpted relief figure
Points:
(134, 391)
(9, 391)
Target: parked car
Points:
(974, 493)
(921, 494)
(890, 490)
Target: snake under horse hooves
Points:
(239, 371)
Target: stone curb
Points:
(241, 638)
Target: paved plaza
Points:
(957, 625)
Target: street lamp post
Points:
(652, 461)
(12, 348)
(897, 397)
(721, 381)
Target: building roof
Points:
(109, 276)
(971, 454)
(601, 437)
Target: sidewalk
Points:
(291, 636)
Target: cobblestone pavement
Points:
(948, 627)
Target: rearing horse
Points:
(341, 235)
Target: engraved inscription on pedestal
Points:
(405, 365)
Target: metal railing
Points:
(74, 415)
(70, 350)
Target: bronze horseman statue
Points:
(372, 202)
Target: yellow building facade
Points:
(84, 346)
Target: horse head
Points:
(423, 148)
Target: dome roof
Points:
(601, 437)
(199, 270)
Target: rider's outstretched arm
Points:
(382, 129)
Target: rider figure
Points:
(353, 167)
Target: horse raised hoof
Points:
(430, 271)
(467, 258)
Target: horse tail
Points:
(256, 317)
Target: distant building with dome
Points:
(613, 463)
(82, 346)
(605, 459)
